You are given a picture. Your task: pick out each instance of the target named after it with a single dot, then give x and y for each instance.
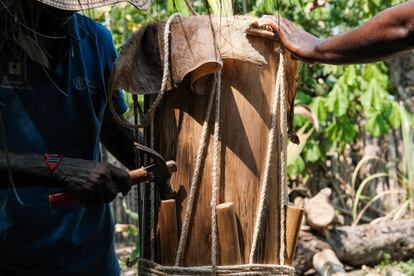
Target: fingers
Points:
(272, 21)
(104, 185)
(122, 180)
(279, 24)
(102, 193)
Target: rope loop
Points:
(146, 121)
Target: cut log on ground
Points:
(319, 211)
(308, 245)
(358, 245)
(327, 264)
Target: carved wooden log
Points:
(358, 245)
(199, 47)
(247, 92)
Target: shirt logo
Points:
(15, 79)
(83, 83)
(15, 68)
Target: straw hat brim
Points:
(78, 5)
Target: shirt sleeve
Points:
(119, 97)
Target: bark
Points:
(359, 245)
(308, 245)
(402, 76)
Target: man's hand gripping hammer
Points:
(160, 171)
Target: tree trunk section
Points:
(359, 245)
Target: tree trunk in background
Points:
(402, 76)
(375, 147)
(401, 71)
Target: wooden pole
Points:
(293, 222)
(228, 235)
(167, 222)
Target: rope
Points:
(165, 77)
(281, 86)
(278, 98)
(146, 267)
(149, 267)
(196, 177)
(215, 173)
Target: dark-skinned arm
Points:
(385, 35)
(118, 140)
(94, 182)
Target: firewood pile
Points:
(328, 247)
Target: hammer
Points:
(159, 171)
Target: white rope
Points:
(278, 97)
(215, 172)
(165, 77)
(146, 267)
(281, 86)
(149, 267)
(149, 116)
(196, 177)
(165, 71)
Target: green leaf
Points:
(341, 130)
(318, 107)
(177, 6)
(376, 124)
(394, 118)
(312, 152)
(350, 76)
(297, 167)
(338, 100)
(375, 98)
(302, 98)
(373, 71)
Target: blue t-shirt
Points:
(38, 118)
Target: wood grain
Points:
(294, 217)
(228, 235)
(168, 231)
(247, 92)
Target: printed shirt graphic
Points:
(38, 118)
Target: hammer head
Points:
(161, 170)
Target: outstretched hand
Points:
(300, 43)
(93, 182)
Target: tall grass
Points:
(407, 131)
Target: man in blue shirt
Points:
(54, 69)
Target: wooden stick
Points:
(167, 222)
(294, 217)
(228, 235)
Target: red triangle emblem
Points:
(53, 160)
